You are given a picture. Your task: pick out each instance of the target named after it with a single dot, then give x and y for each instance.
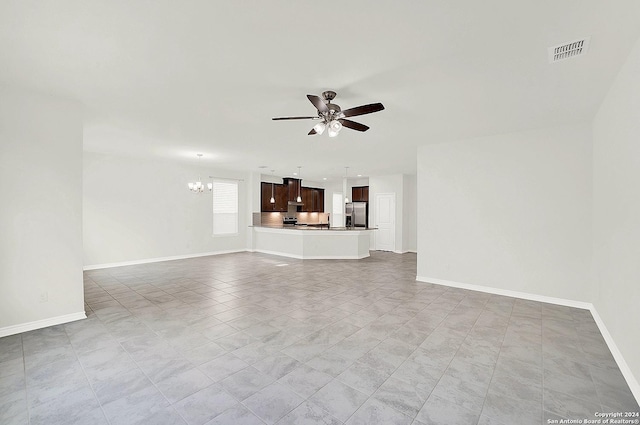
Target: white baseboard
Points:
(39, 324)
(617, 355)
(507, 293)
(158, 259)
(405, 251)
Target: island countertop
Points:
(314, 227)
(308, 242)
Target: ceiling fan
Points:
(332, 117)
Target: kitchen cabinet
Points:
(307, 199)
(265, 196)
(293, 188)
(317, 199)
(360, 194)
(282, 203)
(280, 195)
(312, 198)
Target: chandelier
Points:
(198, 187)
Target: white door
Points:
(385, 208)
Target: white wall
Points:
(616, 210)
(313, 183)
(138, 209)
(511, 211)
(41, 211)
(409, 213)
(331, 187)
(268, 178)
(253, 189)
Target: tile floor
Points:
(253, 339)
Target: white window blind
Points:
(225, 208)
(337, 212)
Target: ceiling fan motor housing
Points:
(329, 95)
(333, 108)
(334, 113)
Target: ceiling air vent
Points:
(569, 50)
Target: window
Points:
(337, 212)
(225, 208)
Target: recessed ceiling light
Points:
(359, 175)
(324, 178)
(295, 174)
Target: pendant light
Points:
(198, 187)
(272, 200)
(346, 172)
(299, 198)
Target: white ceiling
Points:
(173, 78)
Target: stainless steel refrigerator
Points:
(356, 214)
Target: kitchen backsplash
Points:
(275, 218)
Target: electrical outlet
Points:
(44, 297)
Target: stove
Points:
(290, 221)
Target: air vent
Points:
(569, 50)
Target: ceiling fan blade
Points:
(312, 132)
(362, 110)
(353, 125)
(294, 118)
(318, 103)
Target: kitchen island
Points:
(308, 242)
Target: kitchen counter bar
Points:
(312, 243)
(316, 227)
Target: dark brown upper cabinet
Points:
(279, 194)
(312, 198)
(281, 198)
(318, 200)
(265, 196)
(293, 187)
(307, 199)
(360, 194)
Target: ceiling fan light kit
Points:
(332, 117)
(319, 128)
(334, 128)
